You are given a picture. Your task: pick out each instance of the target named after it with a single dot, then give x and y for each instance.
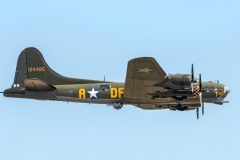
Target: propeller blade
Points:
(197, 114)
(200, 88)
(200, 93)
(192, 78)
(202, 109)
(200, 83)
(200, 97)
(192, 74)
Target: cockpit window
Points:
(206, 88)
(104, 88)
(220, 89)
(212, 88)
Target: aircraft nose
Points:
(226, 88)
(226, 91)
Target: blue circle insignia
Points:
(93, 93)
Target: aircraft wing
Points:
(142, 74)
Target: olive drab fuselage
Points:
(147, 86)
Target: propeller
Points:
(200, 90)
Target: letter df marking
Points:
(113, 92)
(120, 92)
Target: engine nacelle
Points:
(117, 105)
(180, 81)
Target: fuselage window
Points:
(206, 89)
(104, 88)
(220, 89)
(212, 88)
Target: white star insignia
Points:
(93, 93)
(146, 70)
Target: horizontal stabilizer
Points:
(37, 85)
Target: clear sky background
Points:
(90, 39)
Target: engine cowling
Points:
(117, 105)
(180, 81)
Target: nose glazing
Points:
(226, 88)
(226, 91)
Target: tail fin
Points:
(31, 64)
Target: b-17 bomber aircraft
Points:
(147, 86)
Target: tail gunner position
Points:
(147, 86)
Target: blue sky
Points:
(93, 39)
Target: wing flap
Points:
(37, 85)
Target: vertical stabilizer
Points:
(31, 64)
